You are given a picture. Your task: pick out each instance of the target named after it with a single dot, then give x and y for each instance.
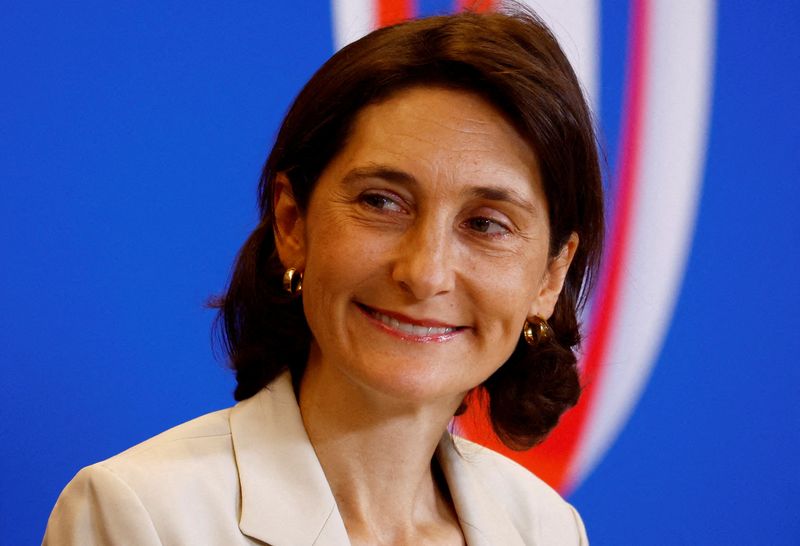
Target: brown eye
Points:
(381, 202)
(487, 226)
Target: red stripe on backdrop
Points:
(553, 458)
(477, 6)
(390, 12)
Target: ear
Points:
(553, 280)
(289, 225)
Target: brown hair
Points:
(513, 61)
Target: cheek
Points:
(341, 250)
(340, 259)
(506, 290)
(516, 275)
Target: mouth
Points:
(408, 328)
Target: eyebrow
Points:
(490, 193)
(497, 193)
(380, 171)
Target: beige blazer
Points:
(249, 475)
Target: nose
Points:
(424, 265)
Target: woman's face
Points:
(424, 247)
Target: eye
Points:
(381, 202)
(487, 226)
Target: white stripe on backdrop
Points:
(677, 109)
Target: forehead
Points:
(440, 131)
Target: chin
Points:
(409, 384)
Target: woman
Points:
(431, 213)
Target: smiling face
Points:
(424, 247)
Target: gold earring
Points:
(536, 331)
(293, 281)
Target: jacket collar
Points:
(286, 499)
(482, 518)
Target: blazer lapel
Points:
(286, 500)
(483, 520)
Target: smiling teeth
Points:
(411, 329)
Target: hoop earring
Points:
(293, 281)
(536, 331)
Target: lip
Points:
(435, 337)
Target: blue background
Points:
(132, 136)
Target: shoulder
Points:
(535, 508)
(170, 463)
(198, 439)
(176, 475)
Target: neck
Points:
(377, 455)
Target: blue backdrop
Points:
(132, 136)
